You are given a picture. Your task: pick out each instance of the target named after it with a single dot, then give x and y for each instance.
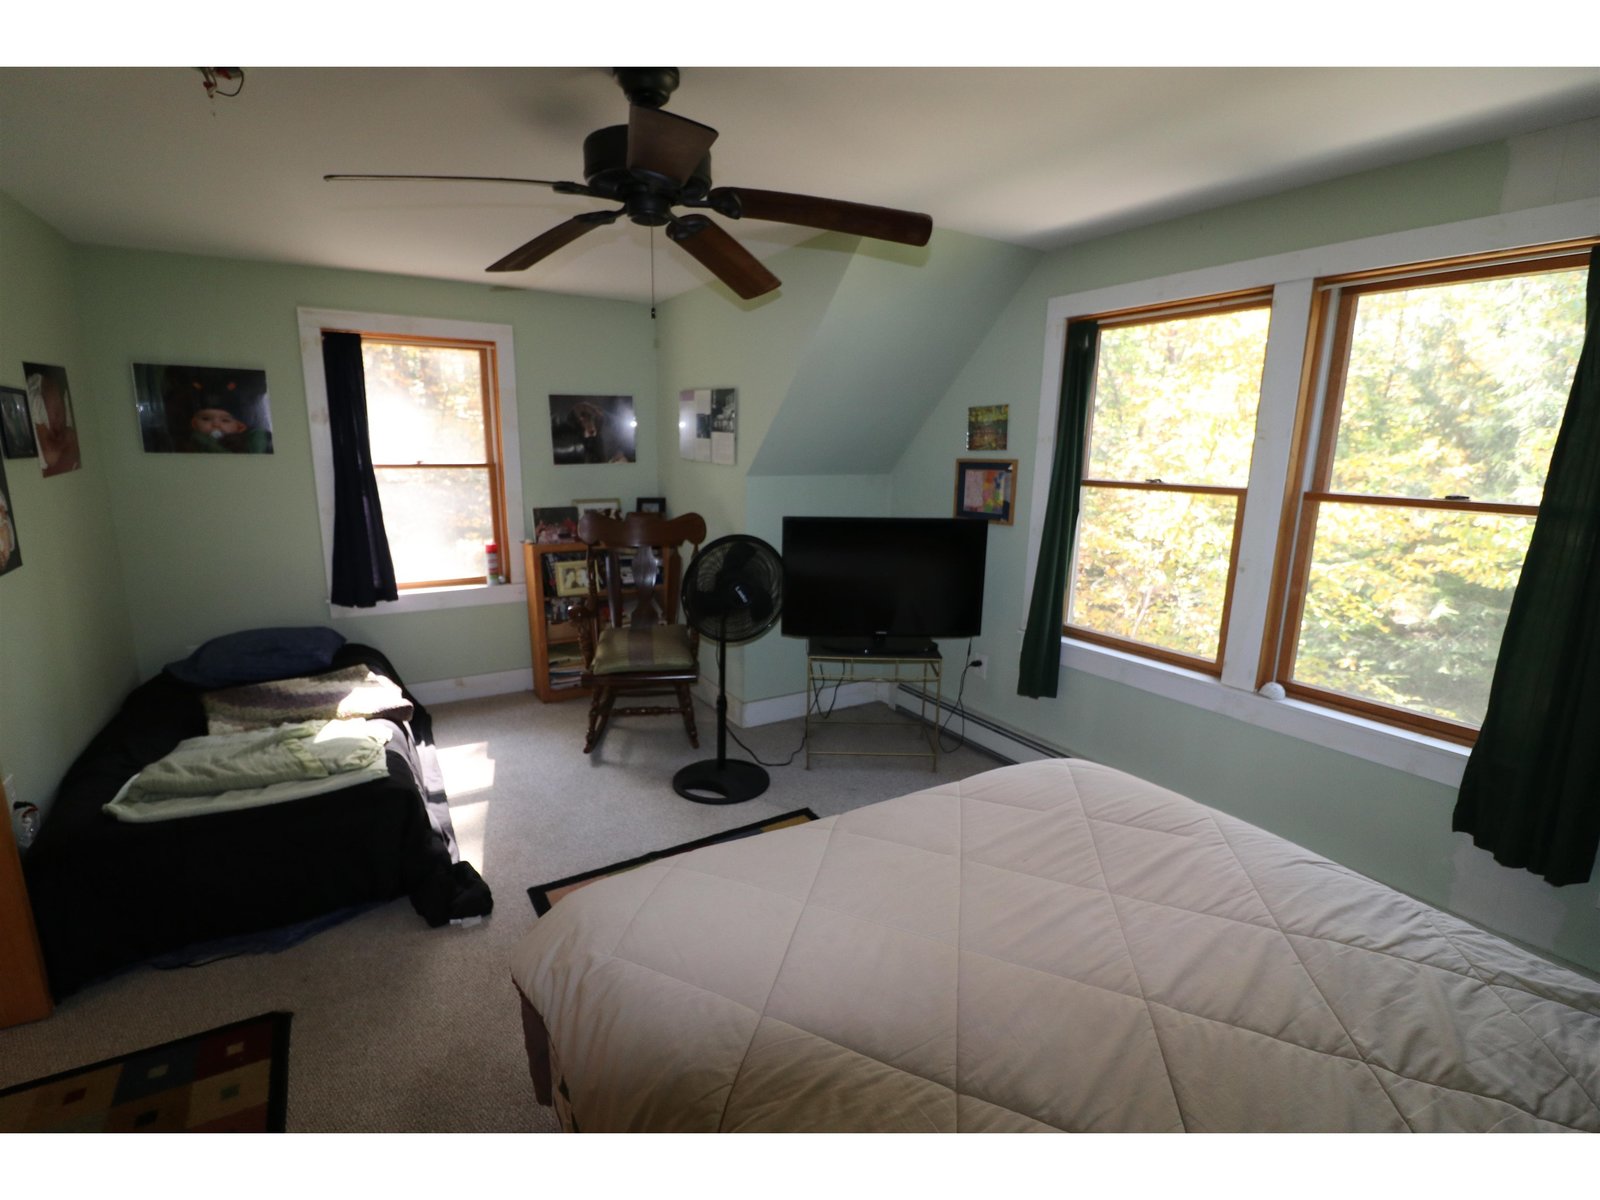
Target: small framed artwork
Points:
(987, 425)
(555, 524)
(572, 578)
(606, 506)
(202, 410)
(986, 489)
(16, 425)
(651, 504)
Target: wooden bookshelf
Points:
(24, 991)
(557, 658)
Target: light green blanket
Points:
(222, 772)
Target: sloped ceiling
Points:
(884, 353)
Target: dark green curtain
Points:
(1040, 669)
(1531, 791)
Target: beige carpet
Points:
(401, 1028)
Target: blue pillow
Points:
(257, 655)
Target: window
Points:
(433, 433)
(1325, 477)
(1168, 461)
(442, 430)
(1444, 394)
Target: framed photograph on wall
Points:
(10, 551)
(592, 429)
(987, 426)
(50, 405)
(986, 489)
(16, 425)
(202, 410)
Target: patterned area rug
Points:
(546, 894)
(233, 1079)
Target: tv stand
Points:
(836, 662)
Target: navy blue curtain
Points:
(1039, 670)
(1531, 790)
(363, 573)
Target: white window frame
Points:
(312, 322)
(1292, 277)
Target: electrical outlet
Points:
(980, 664)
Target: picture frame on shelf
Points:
(651, 504)
(558, 524)
(572, 578)
(606, 507)
(986, 489)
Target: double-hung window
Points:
(1443, 393)
(1327, 483)
(1170, 436)
(442, 437)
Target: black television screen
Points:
(883, 583)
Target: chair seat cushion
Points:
(653, 648)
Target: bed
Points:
(1049, 946)
(110, 893)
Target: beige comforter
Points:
(1049, 946)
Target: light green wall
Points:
(1385, 823)
(66, 657)
(215, 543)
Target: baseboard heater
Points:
(1010, 740)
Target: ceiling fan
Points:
(659, 161)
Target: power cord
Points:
(815, 698)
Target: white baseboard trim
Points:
(473, 687)
(979, 731)
(747, 714)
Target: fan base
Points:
(732, 781)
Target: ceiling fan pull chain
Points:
(652, 273)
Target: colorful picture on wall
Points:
(592, 429)
(16, 425)
(555, 524)
(10, 551)
(986, 426)
(708, 421)
(986, 489)
(50, 406)
(202, 410)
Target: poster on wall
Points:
(10, 551)
(708, 421)
(202, 410)
(987, 426)
(592, 429)
(16, 425)
(50, 405)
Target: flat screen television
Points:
(882, 585)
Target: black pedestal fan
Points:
(732, 593)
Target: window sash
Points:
(491, 462)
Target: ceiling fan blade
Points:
(553, 239)
(723, 257)
(665, 144)
(558, 185)
(839, 216)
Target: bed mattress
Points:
(1051, 946)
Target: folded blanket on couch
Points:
(221, 772)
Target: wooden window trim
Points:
(1316, 440)
(489, 381)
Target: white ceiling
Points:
(1037, 156)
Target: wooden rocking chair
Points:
(633, 644)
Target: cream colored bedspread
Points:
(1051, 946)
